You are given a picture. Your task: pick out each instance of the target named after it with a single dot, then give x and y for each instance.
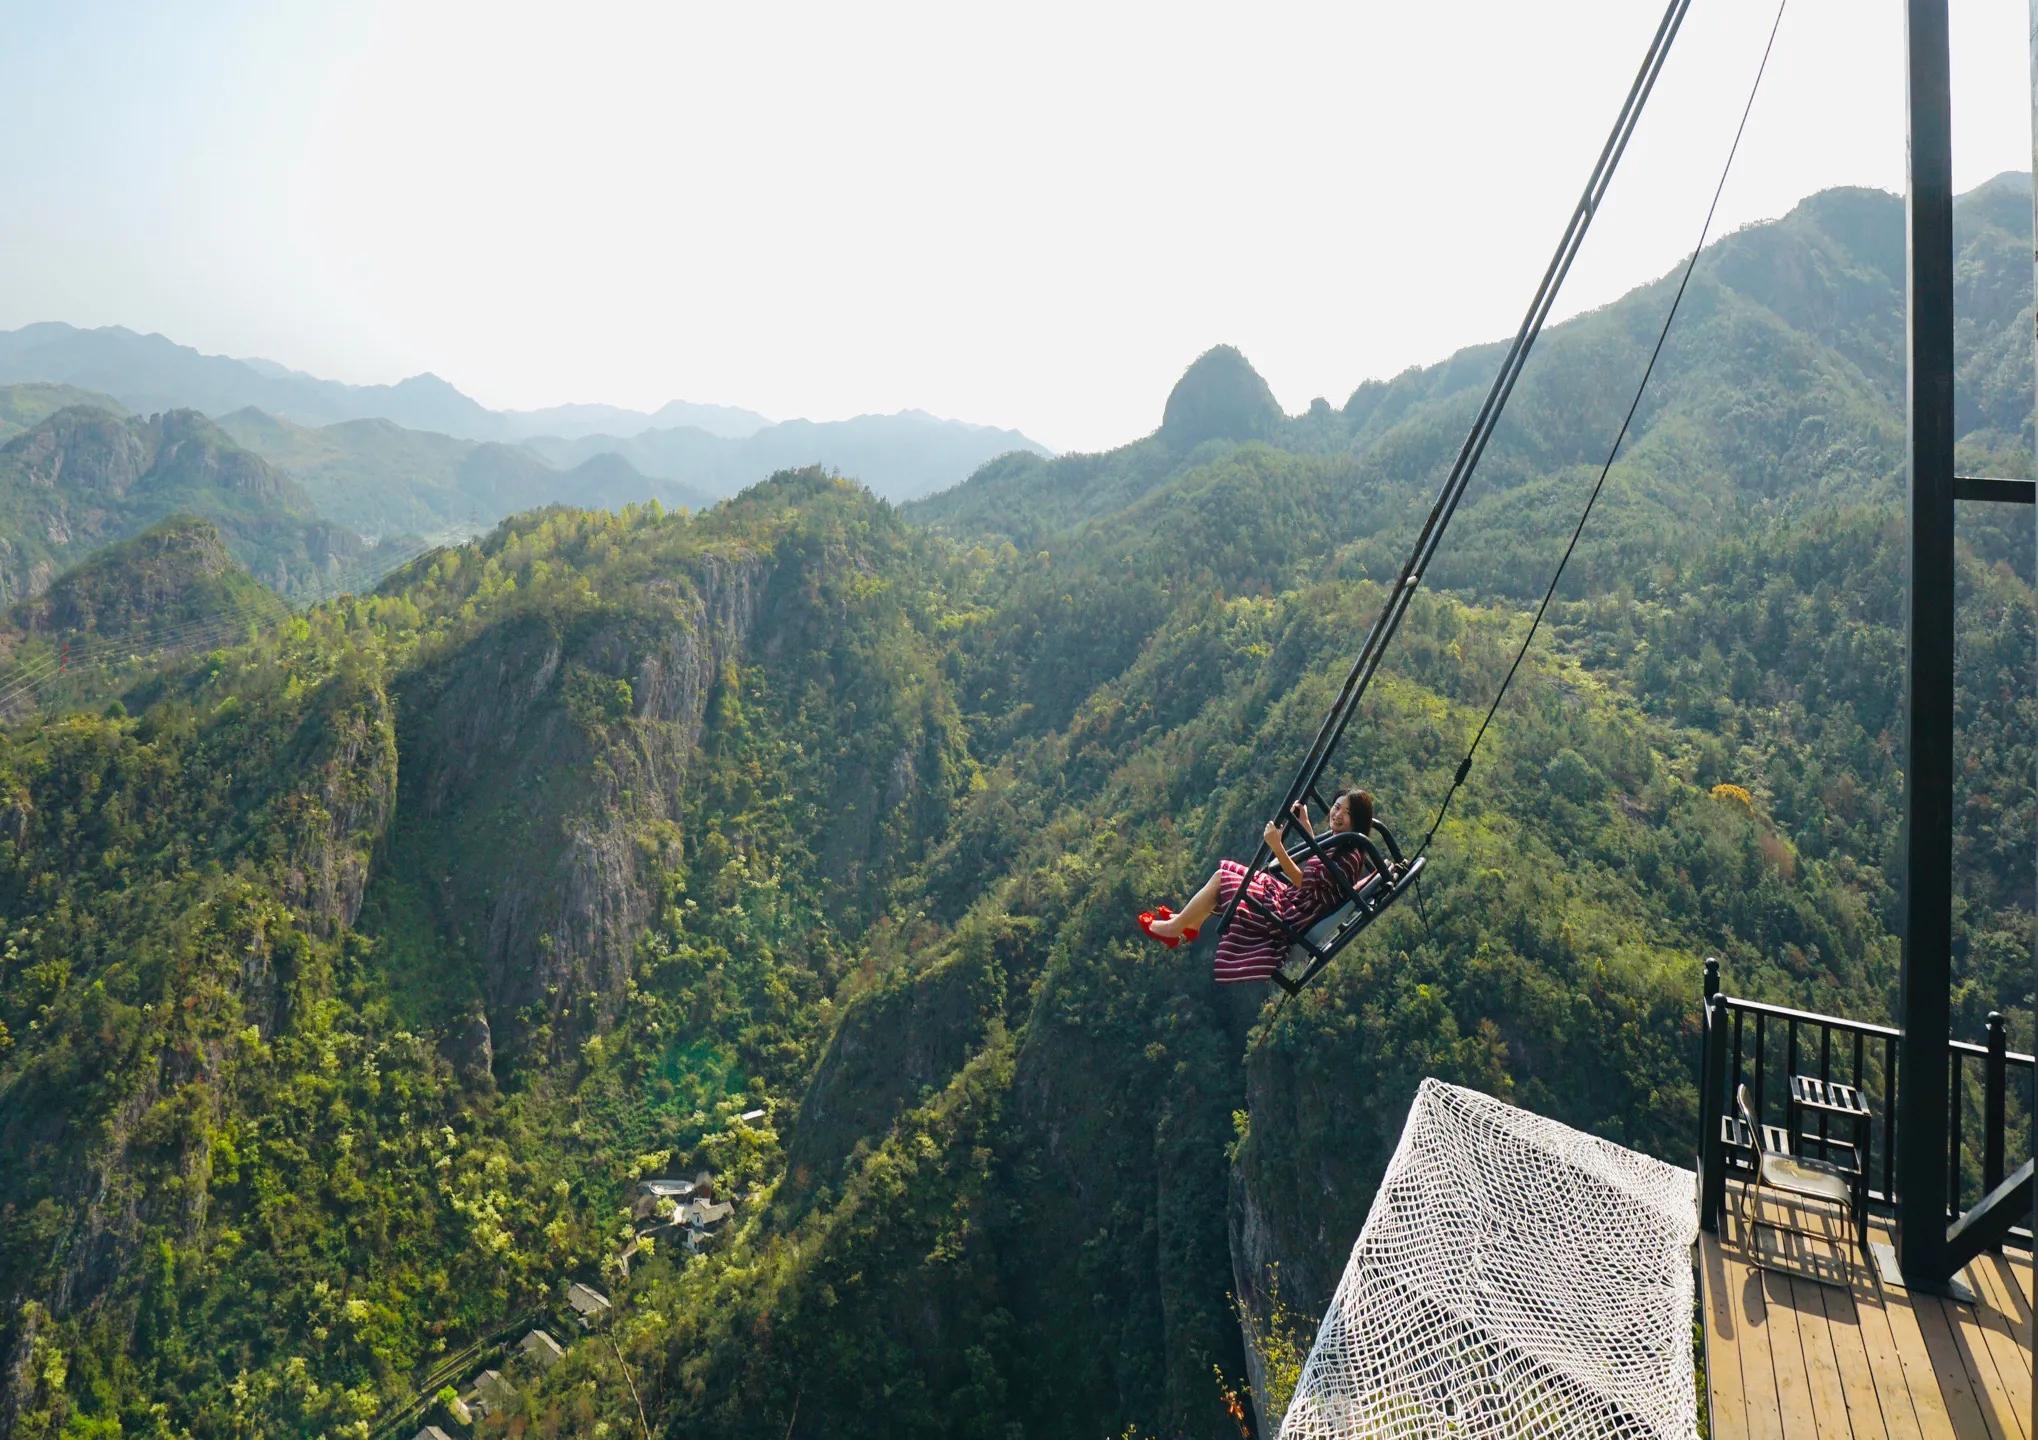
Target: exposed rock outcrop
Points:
(339, 816)
(540, 758)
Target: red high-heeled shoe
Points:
(1146, 919)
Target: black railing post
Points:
(1712, 1175)
(1956, 1113)
(1995, 1081)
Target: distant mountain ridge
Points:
(149, 373)
(380, 478)
(574, 421)
(900, 456)
(152, 372)
(174, 585)
(85, 477)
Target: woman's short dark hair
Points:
(1359, 805)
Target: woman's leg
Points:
(1200, 905)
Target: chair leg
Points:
(1834, 1234)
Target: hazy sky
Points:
(1030, 215)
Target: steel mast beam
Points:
(1928, 691)
(2034, 410)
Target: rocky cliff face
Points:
(193, 451)
(543, 764)
(91, 451)
(339, 816)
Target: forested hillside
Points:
(380, 478)
(82, 477)
(353, 974)
(174, 588)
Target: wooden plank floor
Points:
(1827, 1350)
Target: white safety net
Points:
(1515, 1277)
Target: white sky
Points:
(1033, 215)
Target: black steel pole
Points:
(1928, 700)
(2033, 1427)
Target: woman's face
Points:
(1341, 814)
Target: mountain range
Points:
(354, 976)
(1810, 304)
(151, 372)
(68, 485)
(84, 476)
(381, 478)
(911, 453)
(706, 450)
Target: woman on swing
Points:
(1254, 947)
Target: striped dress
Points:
(1252, 949)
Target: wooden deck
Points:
(1846, 1355)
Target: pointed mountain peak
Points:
(1219, 397)
(425, 382)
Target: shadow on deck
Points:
(1830, 1350)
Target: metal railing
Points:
(1762, 1045)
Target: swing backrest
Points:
(1383, 862)
(1324, 935)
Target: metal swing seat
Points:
(1315, 942)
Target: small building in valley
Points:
(702, 1214)
(489, 1392)
(431, 1432)
(589, 1304)
(540, 1349)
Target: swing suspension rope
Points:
(1394, 608)
(1397, 601)
(1663, 334)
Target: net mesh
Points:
(1515, 1277)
